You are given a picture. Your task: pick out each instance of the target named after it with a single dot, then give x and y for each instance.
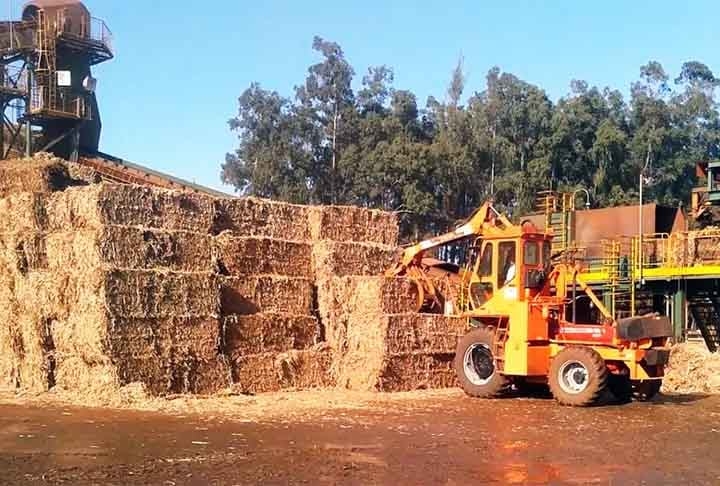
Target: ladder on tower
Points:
(501, 337)
(618, 283)
(45, 96)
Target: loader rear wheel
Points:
(475, 365)
(644, 391)
(578, 376)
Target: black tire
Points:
(578, 376)
(644, 391)
(621, 388)
(475, 365)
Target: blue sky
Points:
(181, 65)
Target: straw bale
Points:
(139, 293)
(340, 296)
(33, 352)
(264, 333)
(707, 248)
(369, 342)
(129, 205)
(353, 224)
(10, 341)
(8, 366)
(277, 371)
(373, 343)
(172, 355)
(332, 258)
(267, 293)
(91, 381)
(130, 247)
(257, 256)
(83, 334)
(407, 372)
(263, 218)
(39, 174)
(692, 369)
(134, 293)
(82, 174)
(25, 332)
(430, 333)
(176, 355)
(23, 252)
(23, 212)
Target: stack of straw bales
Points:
(272, 335)
(105, 285)
(27, 358)
(113, 284)
(381, 343)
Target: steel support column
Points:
(28, 109)
(678, 311)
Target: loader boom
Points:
(484, 219)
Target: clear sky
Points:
(180, 65)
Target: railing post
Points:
(678, 313)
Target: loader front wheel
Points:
(578, 376)
(475, 365)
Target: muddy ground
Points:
(437, 437)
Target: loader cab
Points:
(515, 265)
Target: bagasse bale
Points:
(707, 249)
(132, 248)
(263, 333)
(368, 341)
(407, 372)
(263, 218)
(26, 360)
(22, 212)
(417, 333)
(159, 294)
(171, 355)
(263, 256)
(83, 174)
(174, 355)
(40, 174)
(23, 252)
(8, 378)
(338, 297)
(136, 293)
(342, 259)
(374, 342)
(277, 371)
(264, 294)
(353, 224)
(128, 205)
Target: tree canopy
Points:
(377, 147)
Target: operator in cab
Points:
(509, 269)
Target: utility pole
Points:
(492, 168)
(640, 212)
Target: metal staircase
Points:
(706, 314)
(558, 209)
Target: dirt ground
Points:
(329, 437)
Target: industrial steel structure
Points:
(667, 269)
(47, 91)
(47, 88)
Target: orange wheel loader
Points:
(534, 321)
